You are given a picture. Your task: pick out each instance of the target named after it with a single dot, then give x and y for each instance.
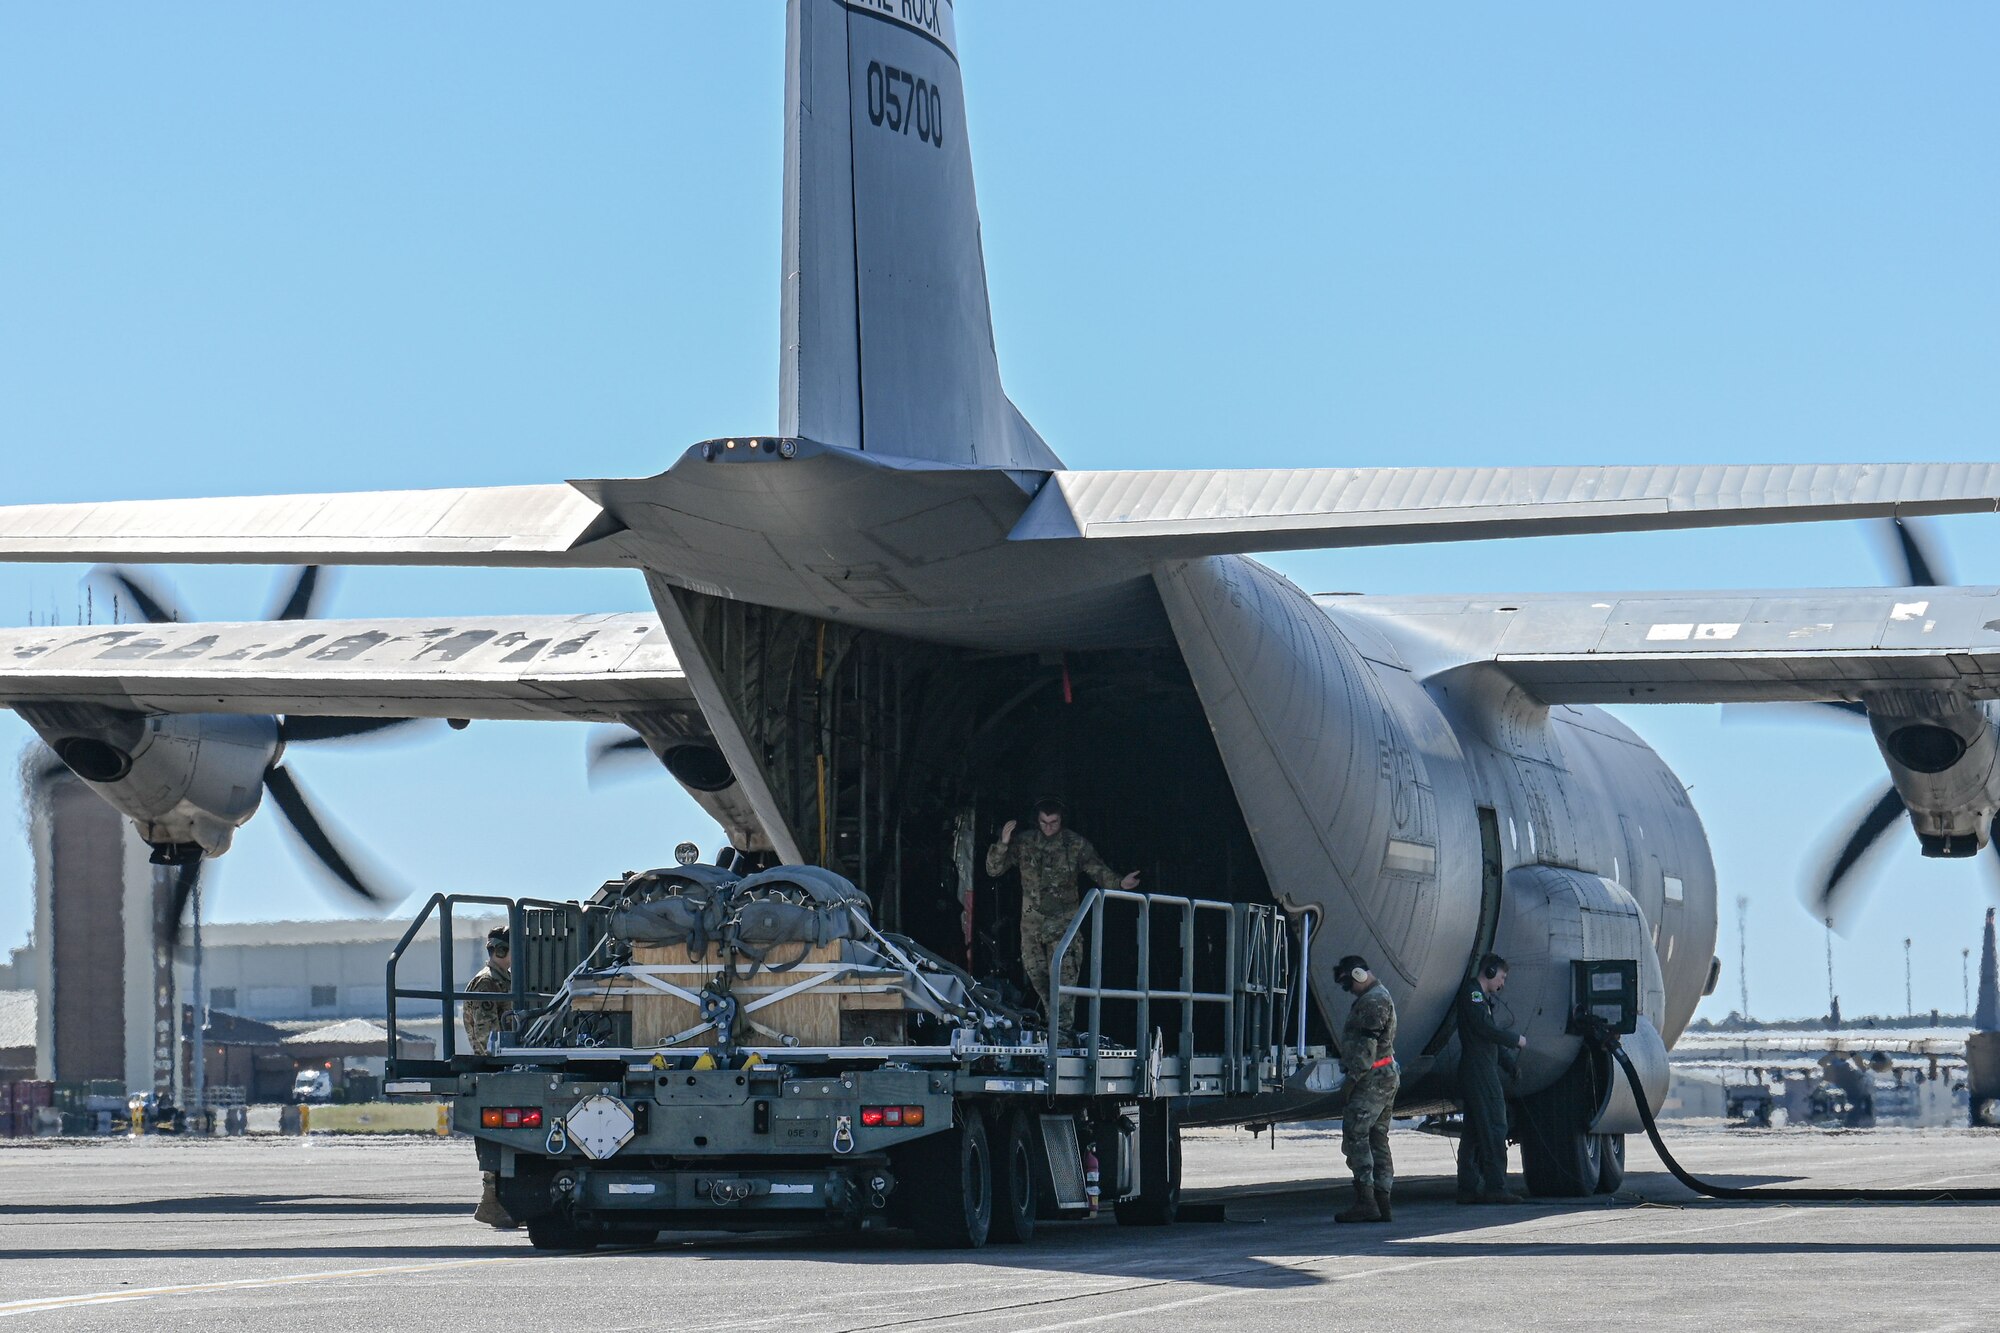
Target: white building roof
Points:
(345, 1031)
(347, 930)
(17, 1018)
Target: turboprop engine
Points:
(187, 780)
(190, 780)
(1945, 765)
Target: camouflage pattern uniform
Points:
(482, 1017)
(1369, 1036)
(1049, 895)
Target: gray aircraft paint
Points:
(888, 338)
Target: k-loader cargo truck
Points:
(694, 1049)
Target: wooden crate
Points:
(813, 1017)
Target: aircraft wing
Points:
(589, 668)
(1704, 647)
(1191, 513)
(494, 525)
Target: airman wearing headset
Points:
(1368, 1056)
(1484, 1049)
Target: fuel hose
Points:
(1782, 1193)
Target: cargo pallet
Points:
(978, 1131)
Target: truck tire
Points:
(949, 1178)
(554, 1231)
(1560, 1157)
(1611, 1164)
(1016, 1171)
(1159, 1198)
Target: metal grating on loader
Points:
(1065, 1160)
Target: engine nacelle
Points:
(188, 780)
(1946, 766)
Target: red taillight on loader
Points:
(510, 1117)
(892, 1117)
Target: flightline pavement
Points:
(343, 1234)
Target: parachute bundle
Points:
(698, 906)
(804, 905)
(684, 905)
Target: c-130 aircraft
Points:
(890, 622)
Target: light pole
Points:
(200, 1017)
(1909, 1006)
(1832, 1000)
(1743, 956)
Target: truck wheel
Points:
(1611, 1164)
(553, 1231)
(1015, 1196)
(949, 1177)
(1159, 1196)
(1560, 1157)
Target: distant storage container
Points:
(32, 1093)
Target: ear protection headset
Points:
(1352, 972)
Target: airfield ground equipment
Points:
(691, 1049)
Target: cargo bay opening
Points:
(896, 762)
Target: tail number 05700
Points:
(901, 102)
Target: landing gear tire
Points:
(1159, 1198)
(1560, 1157)
(950, 1176)
(1016, 1199)
(1611, 1164)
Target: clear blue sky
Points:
(247, 248)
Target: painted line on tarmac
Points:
(45, 1304)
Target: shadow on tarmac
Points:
(1260, 1219)
(240, 1203)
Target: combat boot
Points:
(1364, 1209)
(489, 1210)
(1382, 1206)
(1500, 1196)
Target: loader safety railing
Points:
(1250, 1003)
(548, 940)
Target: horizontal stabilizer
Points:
(1186, 514)
(493, 525)
(1705, 647)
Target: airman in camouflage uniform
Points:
(482, 1019)
(1049, 858)
(1368, 1055)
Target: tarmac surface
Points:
(323, 1234)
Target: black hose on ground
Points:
(1783, 1193)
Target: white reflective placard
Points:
(600, 1125)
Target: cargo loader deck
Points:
(641, 1086)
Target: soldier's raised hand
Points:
(1130, 882)
(1007, 831)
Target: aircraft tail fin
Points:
(888, 340)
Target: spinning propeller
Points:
(1914, 564)
(299, 601)
(611, 752)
